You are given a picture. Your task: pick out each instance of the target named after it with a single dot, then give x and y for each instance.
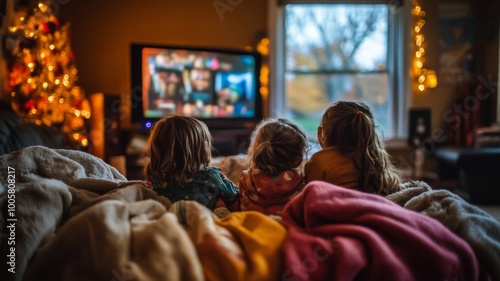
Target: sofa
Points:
(475, 169)
(16, 134)
(78, 218)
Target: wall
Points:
(103, 30)
(441, 98)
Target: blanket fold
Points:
(336, 233)
(52, 186)
(116, 240)
(241, 246)
(479, 229)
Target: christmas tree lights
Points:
(43, 75)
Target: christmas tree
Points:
(43, 75)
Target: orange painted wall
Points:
(103, 30)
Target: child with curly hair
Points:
(276, 150)
(179, 150)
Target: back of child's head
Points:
(351, 126)
(276, 145)
(346, 123)
(177, 146)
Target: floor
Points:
(494, 211)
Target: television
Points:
(218, 86)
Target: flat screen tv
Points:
(217, 86)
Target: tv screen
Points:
(218, 86)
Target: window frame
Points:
(398, 65)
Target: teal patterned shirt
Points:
(207, 187)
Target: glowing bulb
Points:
(61, 100)
(417, 29)
(421, 87)
(432, 80)
(421, 79)
(50, 68)
(76, 136)
(52, 47)
(418, 54)
(77, 113)
(51, 98)
(84, 142)
(45, 85)
(420, 64)
(57, 81)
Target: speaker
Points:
(105, 129)
(419, 126)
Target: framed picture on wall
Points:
(457, 47)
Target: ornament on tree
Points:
(43, 75)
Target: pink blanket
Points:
(342, 234)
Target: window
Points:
(337, 51)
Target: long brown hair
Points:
(177, 146)
(276, 145)
(350, 126)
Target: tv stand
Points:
(230, 141)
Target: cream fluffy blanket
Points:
(77, 214)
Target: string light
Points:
(263, 49)
(424, 78)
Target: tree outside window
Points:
(336, 52)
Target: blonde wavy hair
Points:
(276, 145)
(350, 126)
(177, 146)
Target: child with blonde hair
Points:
(352, 154)
(179, 150)
(276, 150)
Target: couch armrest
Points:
(16, 134)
